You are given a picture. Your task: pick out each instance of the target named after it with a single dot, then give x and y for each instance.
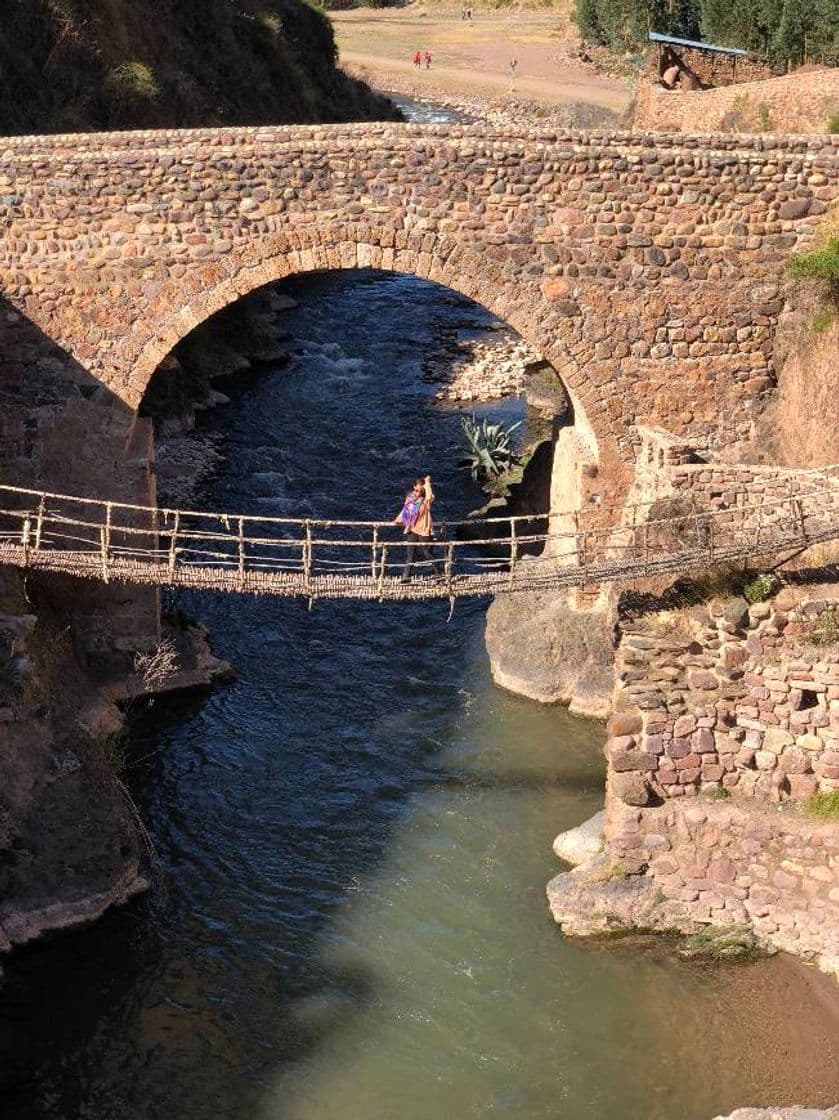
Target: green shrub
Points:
(819, 264)
(720, 794)
(488, 449)
(133, 81)
(833, 123)
(825, 628)
(761, 588)
(822, 319)
(764, 117)
(823, 806)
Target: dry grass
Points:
(156, 667)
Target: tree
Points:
(624, 24)
(785, 30)
(674, 17)
(807, 30)
(588, 20)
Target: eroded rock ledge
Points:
(69, 841)
(543, 647)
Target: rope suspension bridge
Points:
(318, 559)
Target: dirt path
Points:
(459, 78)
(474, 56)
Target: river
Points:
(352, 840)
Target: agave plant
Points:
(488, 448)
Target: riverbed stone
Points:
(583, 842)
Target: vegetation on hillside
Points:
(787, 31)
(820, 264)
(71, 65)
(820, 269)
(823, 806)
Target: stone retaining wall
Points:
(728, 698)
(725, 723)
(801, 102)
(723, 865)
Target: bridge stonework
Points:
(646, 268)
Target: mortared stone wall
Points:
(645, 267)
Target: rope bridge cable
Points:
(338, 559)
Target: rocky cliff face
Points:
(68, 845)
(544, 647)
(801, 427)
(83, 65)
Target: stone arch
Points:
(183, 303)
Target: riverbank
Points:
(471, 64)
(721, 748)
(502, 108)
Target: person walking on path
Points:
(417, 60)
(428, 60)
(415, 519)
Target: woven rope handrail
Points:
(817, 473)
(100, 539)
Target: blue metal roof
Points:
(656, 38)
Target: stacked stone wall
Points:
(722, 865)
(732, 486)
(733, 699)
(708, 68)
(725, 723)
(753, 501)
(801, 102)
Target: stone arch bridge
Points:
(646, 268)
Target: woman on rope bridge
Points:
(415, 519)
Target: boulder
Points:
(541, 647)
(577, 845)
(737, 612)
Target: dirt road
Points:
(474, 56)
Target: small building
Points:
(687, 64)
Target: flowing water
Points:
(354, 837)
(427, 112)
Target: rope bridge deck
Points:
(318, 559)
